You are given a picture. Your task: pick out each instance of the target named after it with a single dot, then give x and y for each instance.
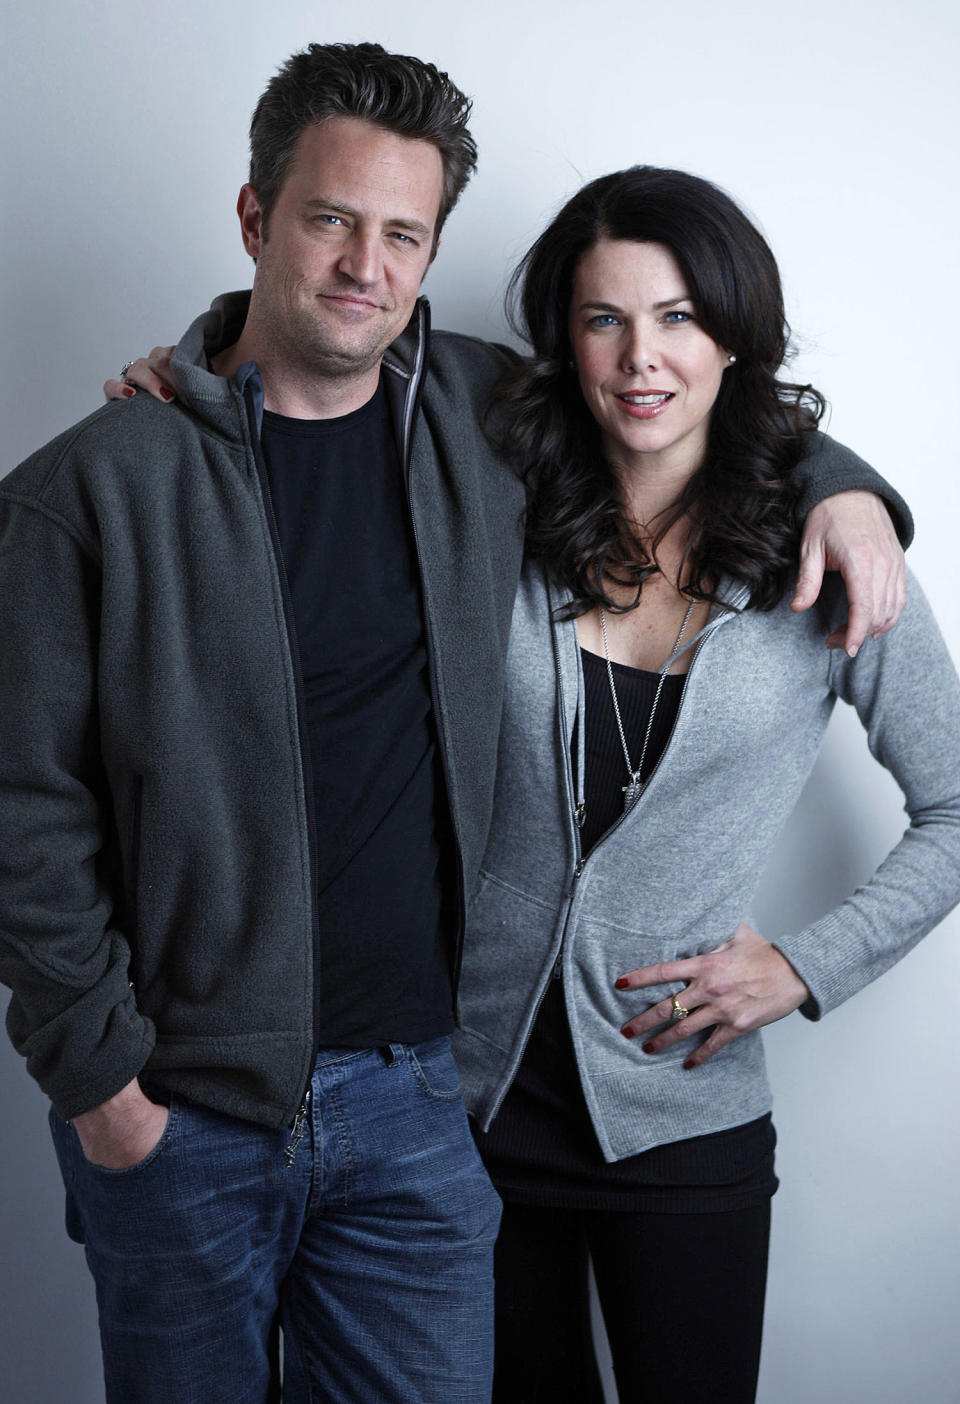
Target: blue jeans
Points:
(370, 1240)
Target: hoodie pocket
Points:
(507, 956)
(603, 951)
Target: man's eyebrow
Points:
(399, 222)
(413, 225)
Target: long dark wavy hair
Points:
(742, 501)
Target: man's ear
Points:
(251, 220)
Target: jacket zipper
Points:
(578, 820)
(411, 402)
(305, 764)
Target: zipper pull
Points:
(296, 1131)
(580, 813)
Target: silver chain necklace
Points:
(634, 788)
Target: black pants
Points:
(682, 1299)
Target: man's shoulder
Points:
(473, 350)
(465, 370)
(455, 354)
(120, 452)
(108, 433)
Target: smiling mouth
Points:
(648, 399)
(645, 404)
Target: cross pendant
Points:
(631, 793)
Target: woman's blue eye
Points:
(603, 319)
(677, 318)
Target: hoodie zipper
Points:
(298, 1121)
(411, 403)
(580, 862)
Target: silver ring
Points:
(679, 1012)
(123, 371)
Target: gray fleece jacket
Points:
(676, 876)
(156, 869)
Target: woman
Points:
(663, 710)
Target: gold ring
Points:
(678, 1010)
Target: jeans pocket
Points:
(115, 1205)
(169, 1133)
(68, 1145)
(434, 1069)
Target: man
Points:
(247, 778)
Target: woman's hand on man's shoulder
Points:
(151, 373)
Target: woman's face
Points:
(648, 371)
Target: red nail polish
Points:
(623, 983)
(649, 1048)
(165, 394)
(689, 1064)
(627, 1033)
(127, 391)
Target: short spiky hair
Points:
(400, 94)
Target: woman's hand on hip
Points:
(738, 987)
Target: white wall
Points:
(836, 124)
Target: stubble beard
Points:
(306, 346)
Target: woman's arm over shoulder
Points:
(905, 689)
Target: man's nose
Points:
(361, 258)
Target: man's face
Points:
(346, 247)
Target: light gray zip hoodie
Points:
(676, 876)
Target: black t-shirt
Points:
(382, 840)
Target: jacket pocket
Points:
(602, 951)
(507, 956)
